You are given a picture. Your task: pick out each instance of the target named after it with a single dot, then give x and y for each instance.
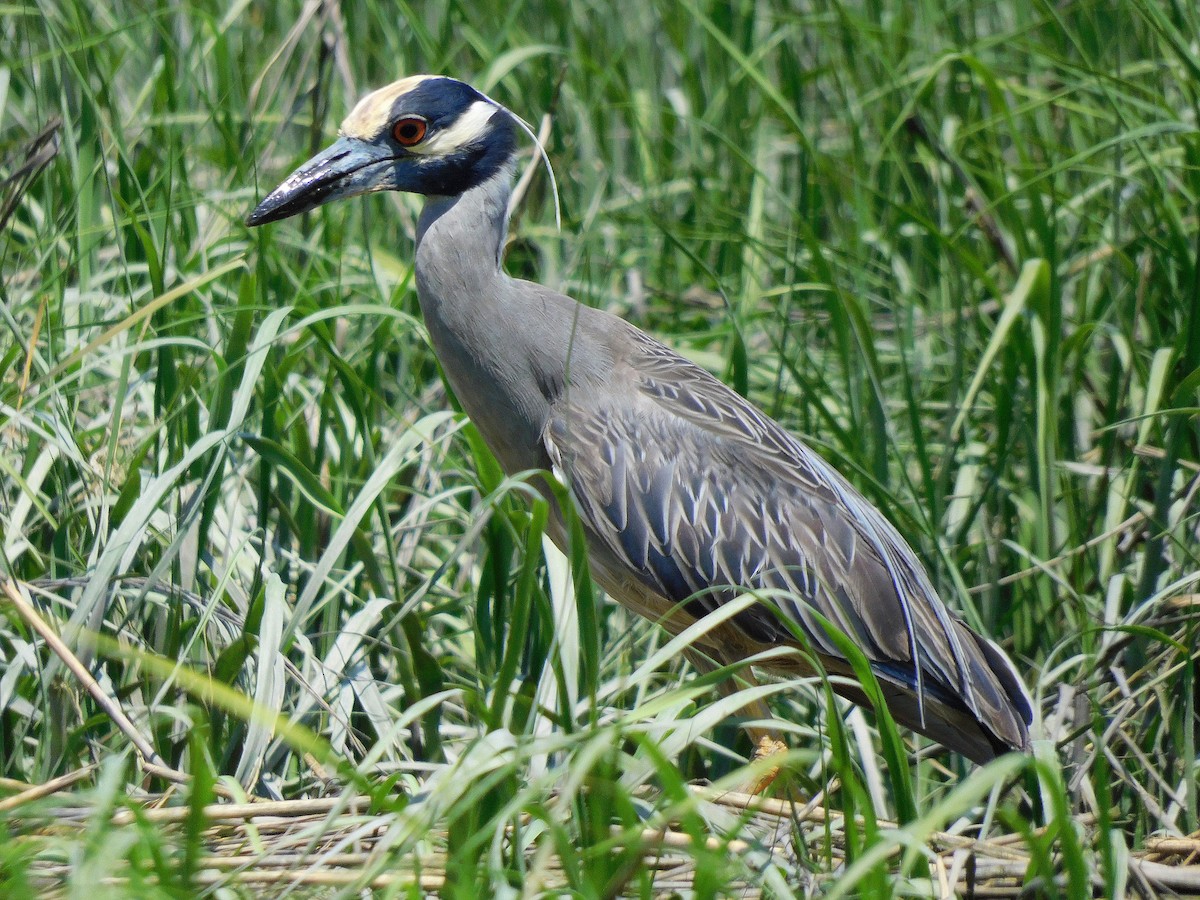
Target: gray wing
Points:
(699, 494)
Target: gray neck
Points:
(460, 240)
(478, 320)
(462, 289)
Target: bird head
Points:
(425, 134)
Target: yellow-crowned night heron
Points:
(687, 492)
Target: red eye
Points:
(409, 131)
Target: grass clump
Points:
(955, 248)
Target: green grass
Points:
(955, 249)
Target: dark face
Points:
(426, 135)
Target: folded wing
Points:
(703, 496)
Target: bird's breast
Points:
(501, 400)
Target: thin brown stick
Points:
(769, 805)
(678, 840)
(1133, 520)
(1173, 845)
(227, 812)
(1185, 879)
(320, 877)
(38, 791)
(110, 706)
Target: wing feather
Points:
(702, 496)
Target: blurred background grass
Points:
(956, 249)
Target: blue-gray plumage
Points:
(688, 493)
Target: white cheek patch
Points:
(467, 128)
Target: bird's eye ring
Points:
(409, 131)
